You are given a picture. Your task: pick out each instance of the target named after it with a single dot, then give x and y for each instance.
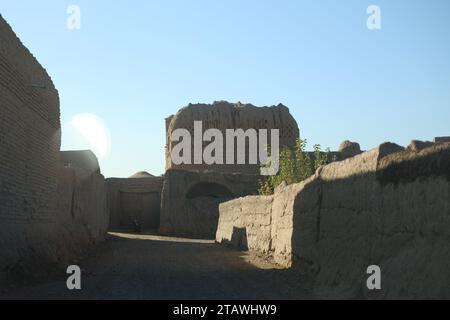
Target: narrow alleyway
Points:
(130, 266)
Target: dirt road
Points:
(131, 266)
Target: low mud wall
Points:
(247, 223)
(387, 207)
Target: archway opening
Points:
(208, 189)
(202, 204)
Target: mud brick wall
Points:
(130, 198)
(29, 151)
(82, 207)
(388, 207)
(37, 234)
(29, 133)
(247, 223)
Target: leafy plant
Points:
(295, 166)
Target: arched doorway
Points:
(208, 189)
(202, 206)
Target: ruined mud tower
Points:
(223, 115)
(192, 192)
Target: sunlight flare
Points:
(94, 130)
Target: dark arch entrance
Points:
(208, 189)
(202, 205)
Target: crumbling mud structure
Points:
(49, 210)
(223, 115)
(192, 192)
(388, 207)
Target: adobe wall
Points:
(222, 115)
(260, 223)
(388, 207)
(37, 230)
(131, 198)
(29, 133)
(190, 200)
(246, 223)
(29, 153)
(82, 197)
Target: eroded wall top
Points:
(223, 115)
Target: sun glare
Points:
(94, 130)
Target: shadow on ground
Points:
(149, 266)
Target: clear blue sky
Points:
(133, 63)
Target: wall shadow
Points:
(342, 226)
(159, 267)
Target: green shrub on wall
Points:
(295, 166)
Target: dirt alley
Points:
(137, 266)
